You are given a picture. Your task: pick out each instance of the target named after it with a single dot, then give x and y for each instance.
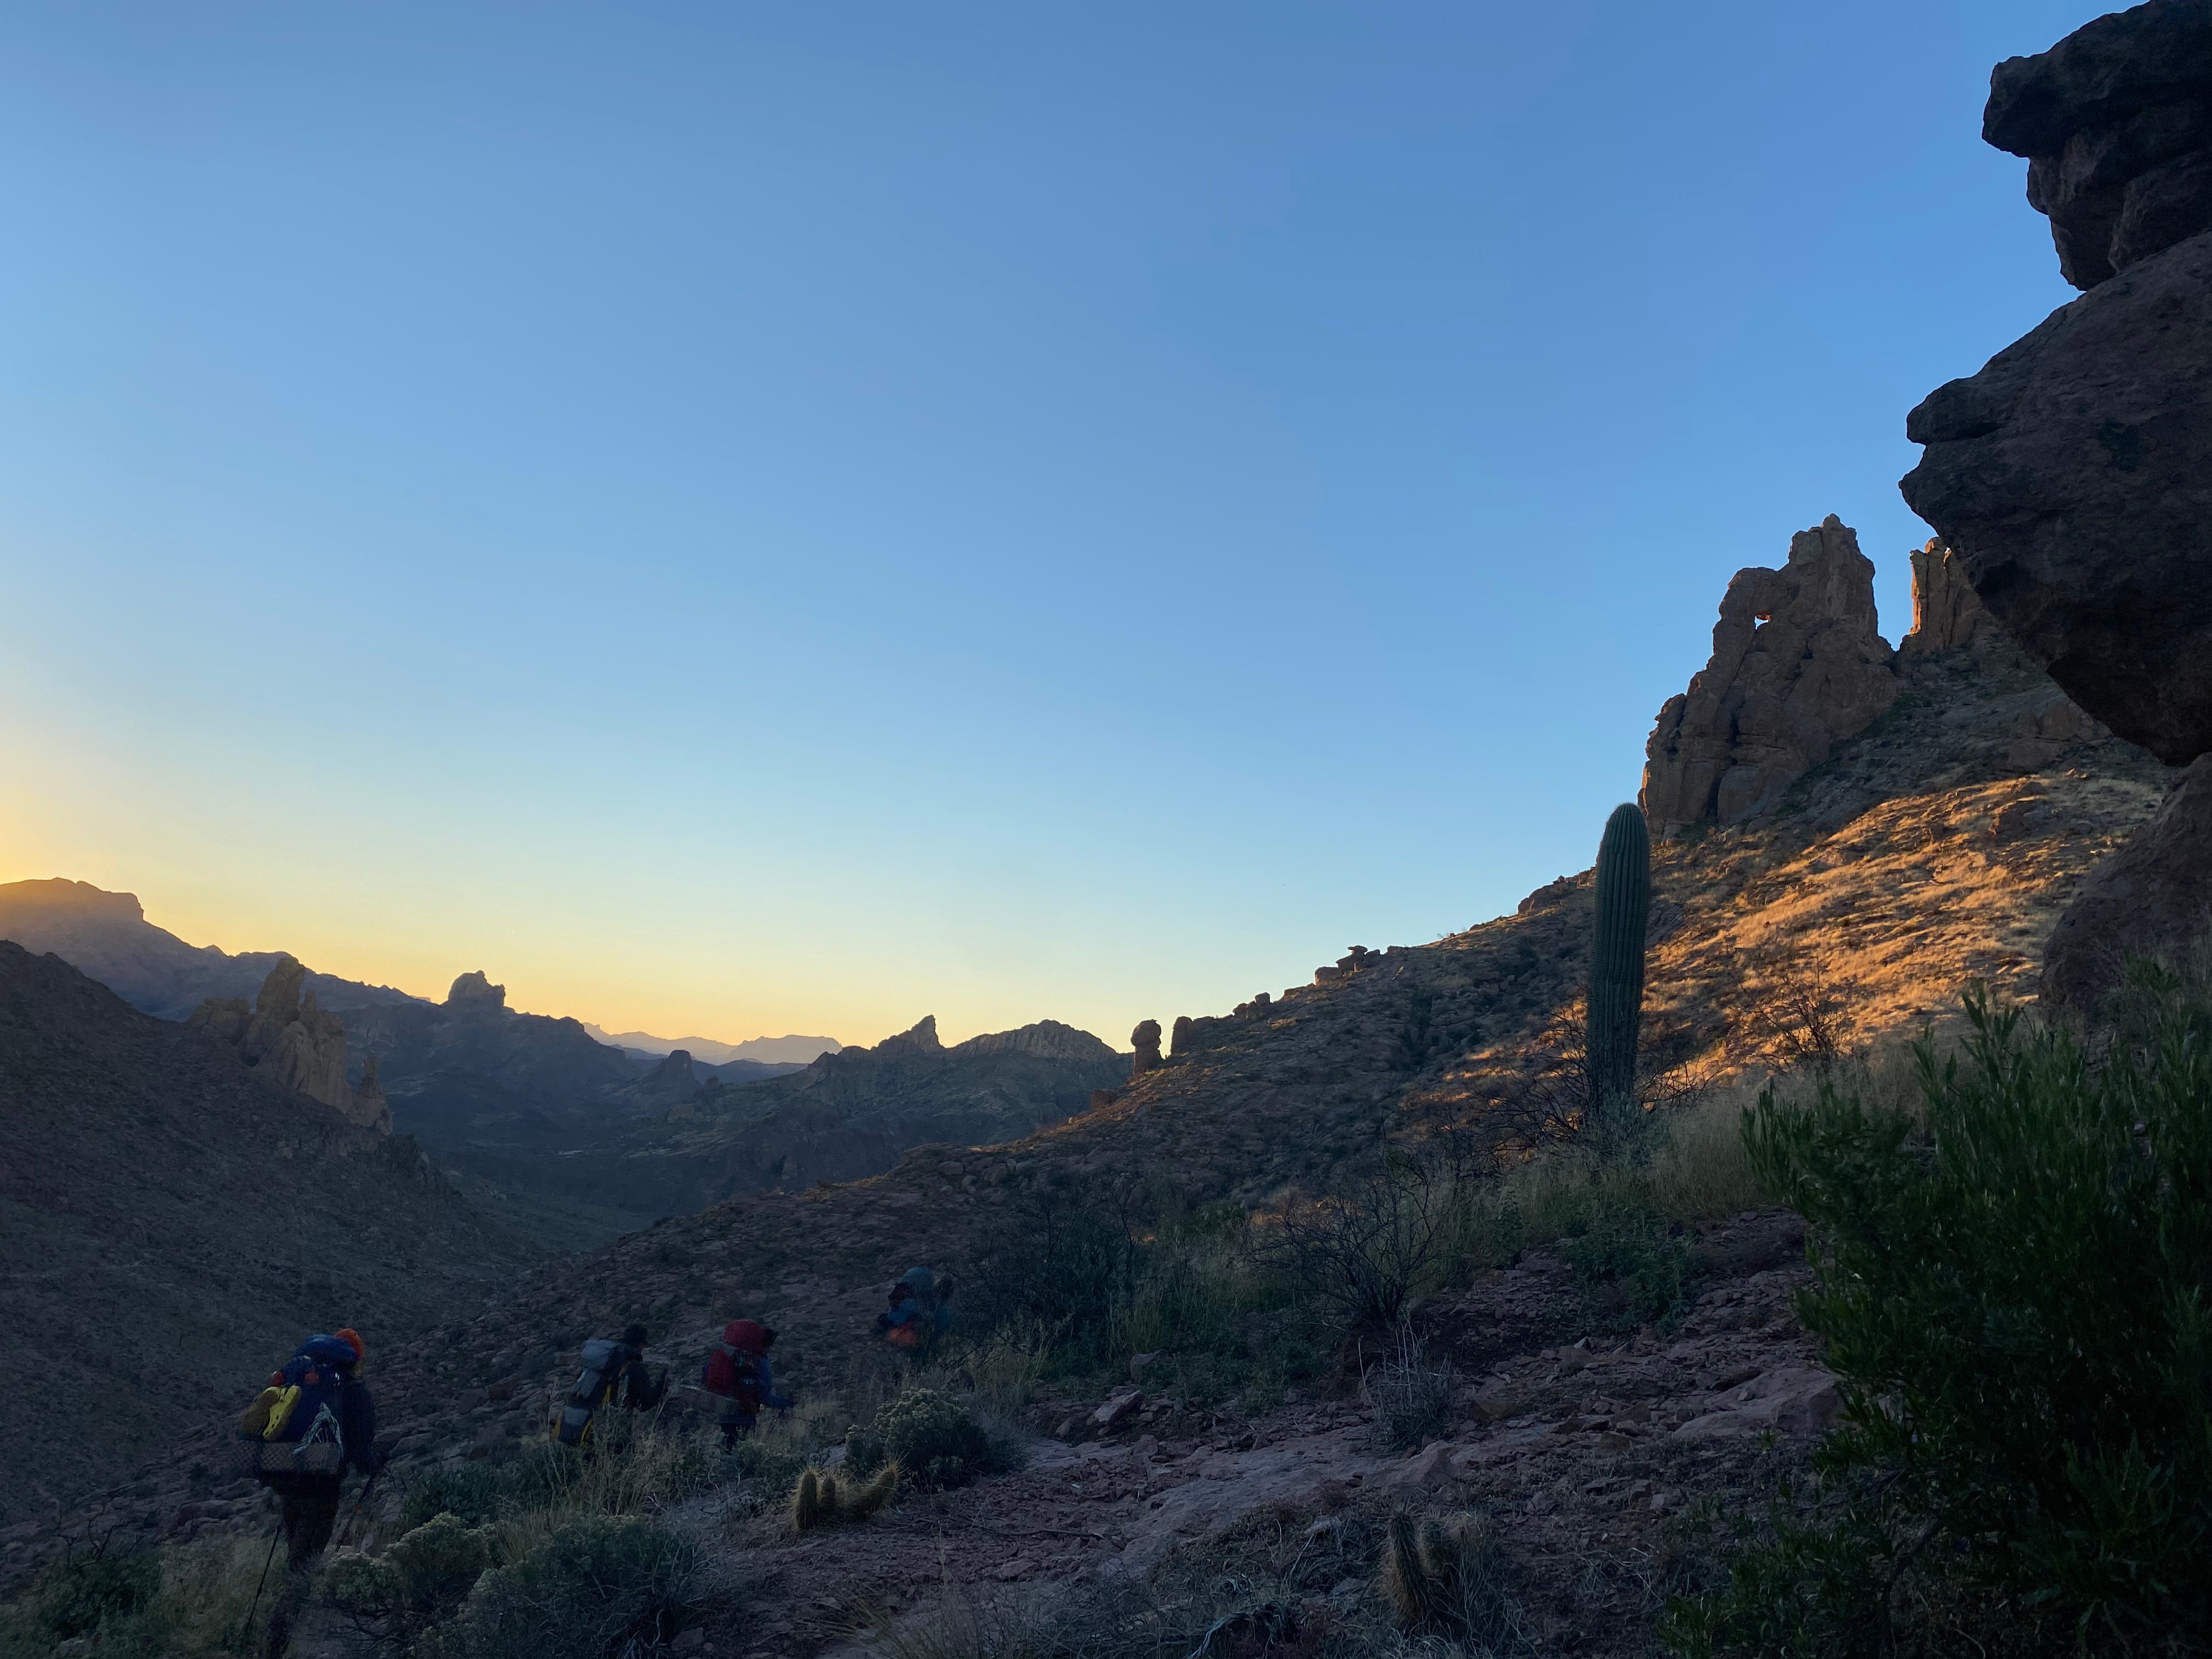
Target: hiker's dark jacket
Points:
(631, 1384)
(357, 1419)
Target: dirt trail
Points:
(1581, 1448)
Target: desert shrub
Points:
(1632, 1267)
(936, 1441)
(188, 1601)
(598, 1587)
(1364, 1253)
(76, 1595)
(472, 1492)
(1066, 1265)
(2014, 1290)
(421, 1579)
(1413, 1394)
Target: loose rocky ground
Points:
(1583, 1444)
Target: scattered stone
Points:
(1120, 1408)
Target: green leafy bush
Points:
(1632, 1267)
(600, 1587)
(77, 1594)
(421, 1578)
(471, 1491)
(936, 1441)
(2016, 1293)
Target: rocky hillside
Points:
(172, 1218)
(1934, 845)
(1872, 870)
(106, 936)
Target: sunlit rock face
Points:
(1946, 613)
(1798, 664)
(302, 1045)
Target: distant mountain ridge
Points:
(773, 1051)
(107, 937)
(855, 1112)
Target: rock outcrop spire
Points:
(1798, 666)
(1946, 612)
(299, 1043)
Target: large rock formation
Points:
(1146, 1039)
(1797, 665)
(474, 991)
(2073, 475)
(1046, 1040)
(2116, 122)
(287, 1036)
(2073, 478)
(1946, 611)
(2151, 897)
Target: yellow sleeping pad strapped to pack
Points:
(254, 1421)
(280, 1410)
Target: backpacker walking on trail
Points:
(738, 1370)
(614, 1371)
(919, 1312)
(313, 1419)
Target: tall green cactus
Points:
(1616, 980)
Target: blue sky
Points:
(738, 518)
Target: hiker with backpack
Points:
(919, 1312)
(738, 1372)
(314, 1417)
(614, 1372)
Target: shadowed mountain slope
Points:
(107, 937)
(173, 1222)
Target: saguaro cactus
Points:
(1616, 977)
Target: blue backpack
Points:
(300, 1418)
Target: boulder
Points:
(1146, 1039)
(2151, 897)
(1122, 1405)
(2072, 480)
(1798, 664)
(1790, 1399)
(2116, 122)
(1179, 1040)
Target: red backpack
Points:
(732, 1370)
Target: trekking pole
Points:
(367, 1486)
(246, 1631)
